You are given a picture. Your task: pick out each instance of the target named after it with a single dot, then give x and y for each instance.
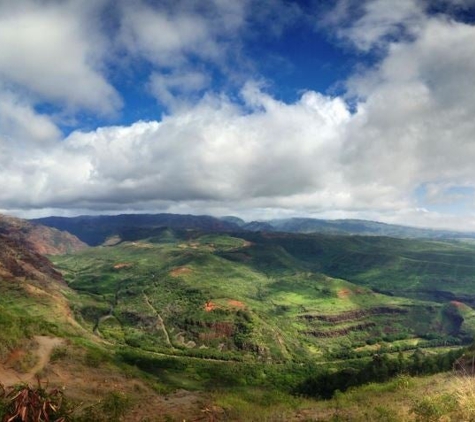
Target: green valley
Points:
(240, 325)
(261, 297)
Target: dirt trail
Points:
(160, 322)
(9, 376)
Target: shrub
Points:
(59, 353)
(433, 408)
(24, 403)
(110, 409)
(95, 358)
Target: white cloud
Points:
(415, 123)
(382, 19)
(178, 88)
(185, 41)
(214, 151)
(373, 23)
(52, 50)
(22, 126)
(165, 38)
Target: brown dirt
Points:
(180, 406)
(9, 376)
(343, 293)
(209, 306)
(121, 265)
(179, 271)
(111, 241)
(236, 304)
(88, 385)
(457, 304)
(50, 241)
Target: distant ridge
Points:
(95, 230)
(362, 227)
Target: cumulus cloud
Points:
(178, 88)
(186, 43)
(163, 37)
(21, 125)
(417, 108)
(378, 20)
(53, 51)
(180, 44)
(215, 151)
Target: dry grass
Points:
(464, 388)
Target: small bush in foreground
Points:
(24, 403)
(110, 409)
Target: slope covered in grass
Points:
(433, 270)
(264, 296)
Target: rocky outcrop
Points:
(22, 249)
(41, 239)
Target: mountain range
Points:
(94, 230)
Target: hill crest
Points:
(95, 230)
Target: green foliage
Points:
(380, 368)
(433, 408)
(192, 373)
(95, 357)
(255, 404)
(22, 316)
(111, 408)
(59, 353)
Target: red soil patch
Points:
(179, 271)
(209, 306)
(342, 293)
(236, 304)
(457, 304)
(121, 265)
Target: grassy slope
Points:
(263, 297)
(398, 266)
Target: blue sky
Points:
(261, 109)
